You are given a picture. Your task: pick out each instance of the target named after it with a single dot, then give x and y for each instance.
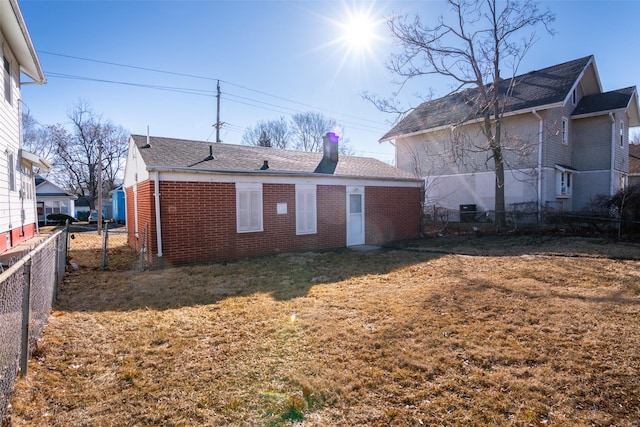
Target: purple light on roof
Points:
(333, 137)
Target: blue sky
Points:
(156, 63)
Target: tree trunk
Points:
(501, 219)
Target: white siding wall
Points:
(10, 203)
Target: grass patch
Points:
(521, 335)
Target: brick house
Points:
(565, 142)
(205, 202)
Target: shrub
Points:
(60, 218)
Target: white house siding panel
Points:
(554, 150)
(10, 203)
(451, 191)
(621, 154)
(587, 185)
(135, 170)
(592, 143)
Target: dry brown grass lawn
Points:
(504, 334)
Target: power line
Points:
(210, 93)
(203, 78)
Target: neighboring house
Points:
(52, 199)
(206, 202)
(83, 207)
(634, 164)
(18, 220)
(566, 141)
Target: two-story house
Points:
(18, 221)
(565, 141)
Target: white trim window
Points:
(564, 181)
(306, 209)
(565, 130)
(248, 207)
(621, 133)
(8, 96)
(11, 171)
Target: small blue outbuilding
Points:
(118, 209)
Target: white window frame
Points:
(565, 131)
(574, 97)
(6, 71)
(306, 209)
(249, 208)
(564, 182)
(621, 133)
(11, 170)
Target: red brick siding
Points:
(199, 220)
(19, 234)
(146, 215)
(391, 213)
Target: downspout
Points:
(158, 222)
(613, 153)
(540, 127)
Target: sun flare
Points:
(359, 32)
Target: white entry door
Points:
(355, 216)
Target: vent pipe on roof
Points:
(148, 144)
(265, 165)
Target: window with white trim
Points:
(621, 133)
(7, 80)
(565, 130)
(563, 183)
(574, 97)
(11, 171)
(248, 207)
(306, 211)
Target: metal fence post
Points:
(105, 241)
(26, 311)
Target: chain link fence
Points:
(27, 290)
(106, 249)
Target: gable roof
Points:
(601, 103)
(189, 155)
(634, 159)
(535, 89)
(46, 188)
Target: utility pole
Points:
(218, 115)
(100, 187)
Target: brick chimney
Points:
(330, 141)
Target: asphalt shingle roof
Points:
(608, 101)
(188, 154)
(533, 89)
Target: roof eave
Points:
(468, 122)
(17, 34)
(274, 173)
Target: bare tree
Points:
(272, 133)
(77, 151)
(308, 130)
(484, 39)
(36, 139)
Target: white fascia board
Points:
(478, 120)
(35, 160)
(597, 113)
(186, 175)
(15, 30)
